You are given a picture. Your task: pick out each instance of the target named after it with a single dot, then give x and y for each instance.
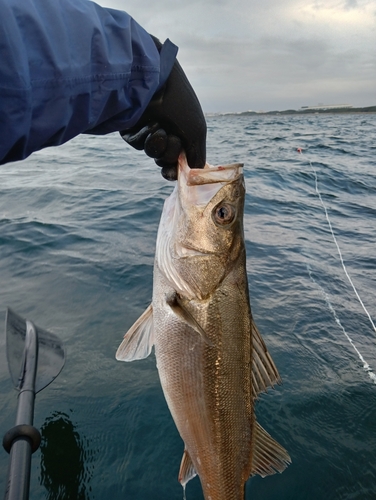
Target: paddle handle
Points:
(21, 440)
(18, 483)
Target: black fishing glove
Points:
(173, 121)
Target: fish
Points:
(211, 359)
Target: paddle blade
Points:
(51, 355)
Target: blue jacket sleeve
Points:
(69, 67)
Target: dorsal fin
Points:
(268, 456)
(264, 371)
(139, 339)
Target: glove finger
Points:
(137, 139)
(172, 152)
(156, 143)
(196, 155)
(170, 172)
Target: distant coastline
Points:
(301, 111)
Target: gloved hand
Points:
(173, 121)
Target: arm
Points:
(172, 122)
(72, 67)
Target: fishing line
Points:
(338, 249)
(366, 366)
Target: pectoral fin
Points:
(264, 371)
(187, 469)
(139, 339)
(182, 312)
(268, 456)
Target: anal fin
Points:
(268, 456)
(187, 469)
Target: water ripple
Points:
(77, 238)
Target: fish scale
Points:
(211, 359)
(199, 384)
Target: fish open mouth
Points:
(197, 186)
(213, 175)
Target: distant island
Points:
(304, 110)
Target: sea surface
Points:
(78, 226)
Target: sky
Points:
(265, 55)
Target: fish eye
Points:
(224, 214)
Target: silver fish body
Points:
(211, 359)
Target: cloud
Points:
(247, 54)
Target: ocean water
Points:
(78, 226)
